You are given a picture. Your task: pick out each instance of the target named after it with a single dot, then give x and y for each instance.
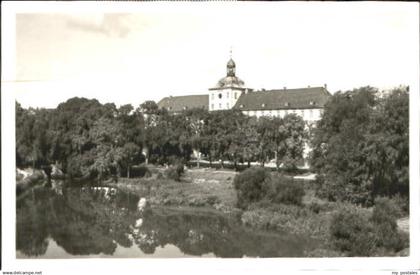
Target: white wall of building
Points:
(307, 114)
(223, 99)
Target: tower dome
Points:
(230, 80)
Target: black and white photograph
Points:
(228, 135)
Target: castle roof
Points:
(303, 98)
(180, 103)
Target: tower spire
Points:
(231, 67)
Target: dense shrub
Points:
(384, 216)
(287, 218)
(359, 234)
(286, 191)
(403, 204)
(171, 173)
(73, 167)
(256, 184)
(252, 185)
(175, 172)
(315, 207)
(385, 211)
(212, 200)
(159, 175)
(351, 232)
(140, 171)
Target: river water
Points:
(74, 222)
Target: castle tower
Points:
(227, 90)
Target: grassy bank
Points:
(198, 187)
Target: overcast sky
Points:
(157, 50)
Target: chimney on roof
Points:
(309, 86)
(325, 86)
(284, 88)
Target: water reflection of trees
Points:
(86, 221)
(201, 233)
(31, 228)
(81, 221)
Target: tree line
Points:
(89, 139)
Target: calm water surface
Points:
(105, 222)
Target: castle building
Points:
(230, 92)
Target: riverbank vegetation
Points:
(339, 228)
(258, 184)
(360, 154)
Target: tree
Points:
(153, 126)
(249, 140)
(32, 141)
(224, 130)
(70, 131)
(335, 156)
(24, 136)
(282, 138)
(195, 119)
(129, 154)
(266, 130)
(106, 136)
(360, 146)
(130, 126)
(387, 145)
(290, 138)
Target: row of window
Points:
(220, 95)
(309, 114)
(285, 104)
(220, 106)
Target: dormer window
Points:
(311, 102)
(169, 108)
(263, 105)
(185, 107)
(286, 104)
(241, 106)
